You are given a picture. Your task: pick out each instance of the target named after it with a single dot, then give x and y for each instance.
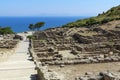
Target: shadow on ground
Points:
(30, 59)
(34, 77)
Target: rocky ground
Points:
(72, 71)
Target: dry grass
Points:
(111, 25)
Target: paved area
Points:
(18, 66)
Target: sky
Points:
(55, 7)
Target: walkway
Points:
(18, 66)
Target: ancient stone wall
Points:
(7, 49)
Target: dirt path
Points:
(18, 66)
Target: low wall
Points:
(42, 71)
(45, 74)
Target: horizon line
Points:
(52, 16)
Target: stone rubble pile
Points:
(8, 43)
(87, 59)
(46, 74)
(7, 48)
(101, 76)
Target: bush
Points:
(6, 30)
(105, 20)
(30, 37)
(91, 21)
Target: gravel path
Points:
(18, 66)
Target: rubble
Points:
(100, 76)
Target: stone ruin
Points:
(46, 74)
(8, 43)
(95, 49)
(63, 46)
(7, 48)
(7, 37)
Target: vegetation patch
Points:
(6, 30)
(110, 15)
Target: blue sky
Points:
(55, 7)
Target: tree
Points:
(31, 27)
(39, 25)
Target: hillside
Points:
(110, 15)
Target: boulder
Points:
(108, 76)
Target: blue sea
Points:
(20, 24)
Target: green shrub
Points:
(105, 20)
(6, 30)
(30, 37)
(91, 21)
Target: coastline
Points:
(20, 24)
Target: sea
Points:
(20, 24)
